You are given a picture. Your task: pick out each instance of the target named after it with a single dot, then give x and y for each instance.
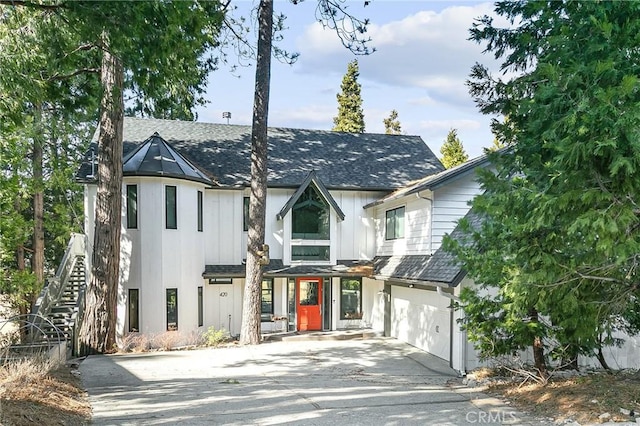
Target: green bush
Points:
(213, 337)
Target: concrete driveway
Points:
(348, 382)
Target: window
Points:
(394, 227)
(172, 309)
(310, 216)
(310, 253)
(245, 214)
(199, 211)
(134, 310)
(200, 307)
(267, 300)
(132, 206)
(350, 298)
(171, 214)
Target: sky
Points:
(422, 60)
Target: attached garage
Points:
(421, 318)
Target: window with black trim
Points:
(245, 214)
(134, 310)
(172, 309)
(132, 206)
(310, 216)
(199, 211)
(171, 210)
(394, 225)
(266, 311)
(350, 298)
(200, 307)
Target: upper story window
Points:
(394, 224)
(199, 211)
(245, 214)
(132, 206)
(171, 210)
(310, 216)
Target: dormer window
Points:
(310, 216)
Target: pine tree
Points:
(452, 150)
(350, 116)
(392, 124)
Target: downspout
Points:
(454, 298)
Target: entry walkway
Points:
(347, 382)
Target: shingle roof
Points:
(155, 157)
(441, 268)
(341, 160)
(436, 180)
(277, 268)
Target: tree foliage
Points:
(350, 117)
(392, 124)
(452, 151)
(561, 224)
(161, 53)
(44, 120)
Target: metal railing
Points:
(31, 335)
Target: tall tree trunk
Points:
(250, 331)
(98, 330)
(538, 347)
(37, 265)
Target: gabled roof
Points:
(364, 161)
(440, 269)
(435, 181)
(312, 177)
(155, 157)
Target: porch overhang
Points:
(275, 268)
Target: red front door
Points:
(308, 303)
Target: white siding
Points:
(223, 227)
(451, 203)
(154, 258)
(356, 233)
(373, 304)
(416, 226)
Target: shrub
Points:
(213, 337)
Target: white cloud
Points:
(426, 50)
(312, 116)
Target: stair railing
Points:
(55, 285)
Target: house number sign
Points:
(223, 294)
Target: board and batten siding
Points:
(223, 215)
(417, 233)
(356, 233)
(153, 258)
(450, 204)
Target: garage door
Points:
(422, 319)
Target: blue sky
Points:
(422, 60)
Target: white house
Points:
(354, 224)
(184, 222)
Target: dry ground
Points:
(580, 398)
(29, 395)
(32, 393)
